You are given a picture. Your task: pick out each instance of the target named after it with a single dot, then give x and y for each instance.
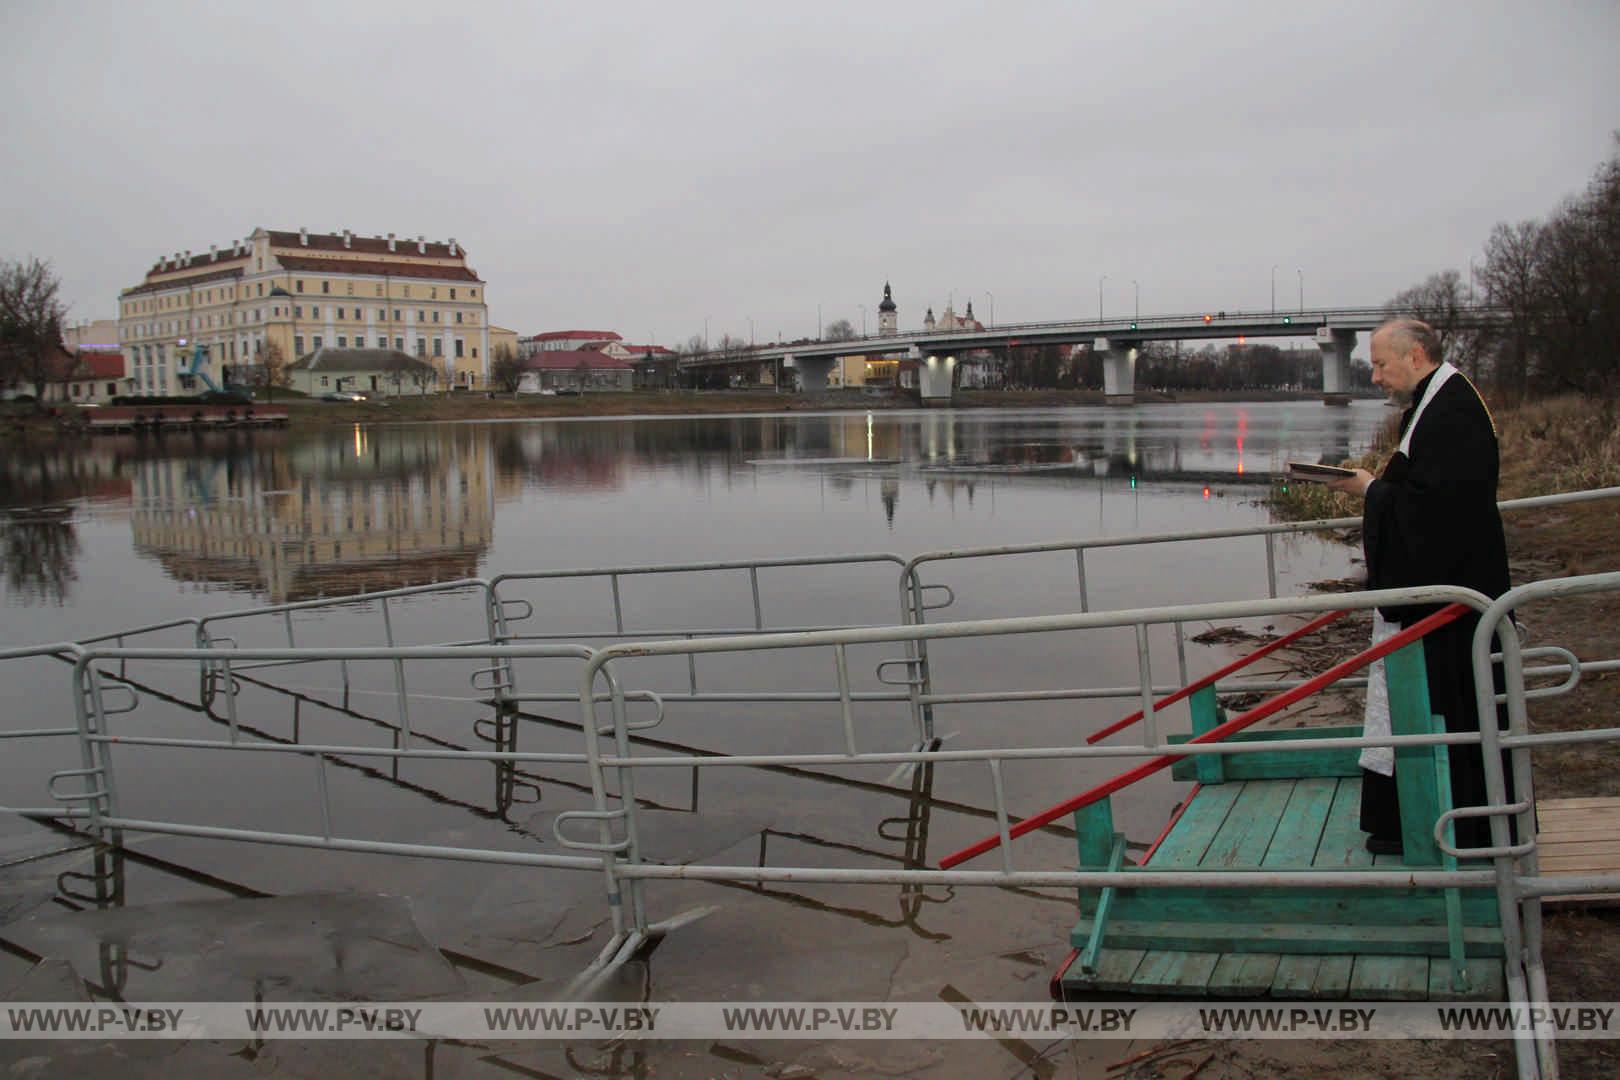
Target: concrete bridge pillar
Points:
(936, 379)
(1119, 370)
(1336, 346)
(813, 372)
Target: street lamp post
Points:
(818, 320)
(1136, 308)
(992, 297)
(1301, 273)
(863, 318)
(1100, 281)
(705, 333)
(1274, 288)
(750, 331)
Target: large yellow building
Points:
(301, 291)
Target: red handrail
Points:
(1215, 676)
(1447, 614)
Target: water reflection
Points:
(301, 514)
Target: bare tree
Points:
(505, 369)
(31, 317)
(273, 363)
(582, 374)
(1441, 300)
(424, 376)
(841, 330)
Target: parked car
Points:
(343, 395)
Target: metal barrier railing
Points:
(91, 791)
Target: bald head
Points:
(1403, 352)
(1407, 335)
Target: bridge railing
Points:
(1306, 320)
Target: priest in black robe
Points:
(1430, 519)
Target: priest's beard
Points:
(1403, 398)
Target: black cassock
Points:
(1431, 519)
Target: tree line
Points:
(1557, 280)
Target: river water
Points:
(133, 530)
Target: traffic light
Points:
(1288, 320)
(1133, 326)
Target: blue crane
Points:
(199, 358)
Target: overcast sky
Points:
(643, 167)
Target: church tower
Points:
(928, 320)
(888, 315)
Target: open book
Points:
(1304, 472)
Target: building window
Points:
(112, 389)
(452, 294)
(351, 288)
(396, 314)
(421, 347)
(325, 380)
(475, 352)
(298, 311)
(399, 343)
(382, 315)
(438, 346)
(435, 315)
(314, 312)
(421, 316)
(458, 316)
(459, 352)
(407, 290)
(300, 284)
(340, 314)
(298, 345)
(317, 340)
(343, 342)
(261, 286)
(326, 286)
(77, 390)
(474, 293)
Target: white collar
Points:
(1436, 379)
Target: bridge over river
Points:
(936, 352)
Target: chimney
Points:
(303, 236)
(421, 245)
(453, 246)
(213, 253)
(188, 259)
(390, 241)
(346, 238)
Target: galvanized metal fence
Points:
(604, 838)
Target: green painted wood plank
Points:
(1313, 978)
(1383, 861)
(1246, 833)
(1299, 832)
(1485, 982)
(1188, 841)
(1333, 978)
(1247, 975)
(1282, 764)
(1395, 939)
(1390, 978)
(1206, 717)
(1170, 971)
(1343, 843)
(1094, 833)
(1409, 714)
(1295, 975)
(1115, 969)
(1263, 904)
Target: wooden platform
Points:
(1327, 943)
(1579, 836)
